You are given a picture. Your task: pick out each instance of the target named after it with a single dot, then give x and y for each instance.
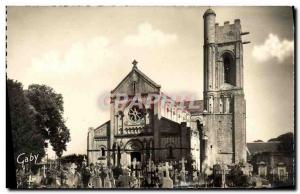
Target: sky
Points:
(84, 52)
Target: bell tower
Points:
(223, 94)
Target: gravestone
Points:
(30, 181)
(73, 177)
(134, 183)
(107, 182)
(150, 173)
(112, 179)
(149, 166)
(167, 182)
(224, 171)
(102, 174)
(96, 182)
(195, 173)
(159, 175)
(85, 175)
(44, 170)
(62, 178)
(125, 179)
(134, 167)
(183, 172)
(176, 180)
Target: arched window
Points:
(170, 150)
(102, 151)
(229, 69)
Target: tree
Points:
(258, 140)
(27, 138)
(236, 178)
(49, 116)
(73, 158)
(287, 143)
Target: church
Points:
(145, 124)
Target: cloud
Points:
(81, 57)
(273, 48)
(85, 57)
(147, 36)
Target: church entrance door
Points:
(136, 155)
(134, 149)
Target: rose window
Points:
(135, 114)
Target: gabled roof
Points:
(197, 106)
(102, 130)
(194, 106)
(170, 126)
(106, 123)
(142, 75)
(263, 147)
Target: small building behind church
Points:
(271, 162)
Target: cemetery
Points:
(148, 175)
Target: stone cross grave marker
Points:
(134, 167)
(160, 171)
(224, 171)
(150, 171)
(149, 166)
(176, 174)
(30, 181)
(195, 172)
(183, 162)
(167, 182)
(107, 181)
(166, 168)
(183, 172)
(44, 170)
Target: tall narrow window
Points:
(102, 152)
(114, 154)
(134, 87)
(221, 104)
(170, 152)
(229, 69)
(226, 69)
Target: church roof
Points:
(263, 147)
(144, 76)
(103, 130)
(196, 106)
(169, 127)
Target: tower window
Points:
(102, 152)
(229, 69)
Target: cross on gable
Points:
(134, 63)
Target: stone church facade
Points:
(204, 132)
